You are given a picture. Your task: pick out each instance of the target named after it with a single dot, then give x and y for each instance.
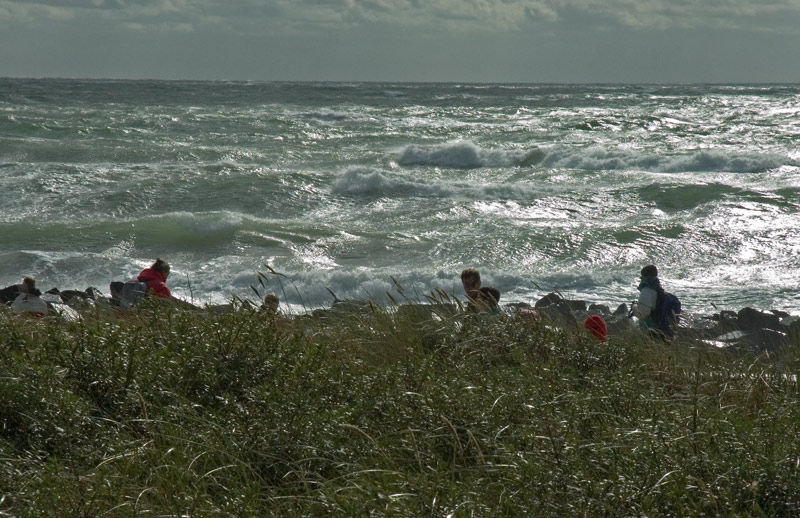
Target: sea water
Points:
(387, 191)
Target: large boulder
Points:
(560, 314)
(551, 299)
(622, 310)
(599, 309)
(749, 319)
(765, 340)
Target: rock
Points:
(748, 329)
(550, 299)
(93, 293)
(731, 337)
(700, 322)
(560, 314)
(750, 319)
(560, 304)
(599, 309)
(619, 324)
(116, 289)
(8, 294)
(766, 340)
(68, 295)
(793, 329)
(576, 305)
(621, 310)
(780, 314)
(789, 320)
(516, 306)
(414, 312)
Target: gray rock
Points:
(599, 309)
(765, 340)
(751, 319)
(560, 314)
(548, 300)
(621, 310)
(576, 305)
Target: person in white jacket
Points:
(649, 288)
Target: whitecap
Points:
(701, 161)
(464, 155)
(718, 160)
(359, 181)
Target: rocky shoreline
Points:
(750, 329)
(757, 331)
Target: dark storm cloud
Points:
(482, 40)
(487, 15)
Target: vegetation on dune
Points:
(384, 412)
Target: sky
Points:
(497, 41)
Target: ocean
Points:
(386, 191)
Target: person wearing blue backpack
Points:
(656, 309)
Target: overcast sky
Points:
(404, 40)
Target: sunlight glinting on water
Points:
(568, 186)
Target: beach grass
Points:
(383, 412)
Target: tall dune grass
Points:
(385, 413)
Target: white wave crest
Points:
(359, 181)
(464, 155)
(718, 160)
(702, 161)
(204, 224)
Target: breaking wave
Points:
(704, 161)
(465, 155)
(367, 182)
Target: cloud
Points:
(509, 15)
(417, 40)
(439, 15)
(119, 5)
(683, 14)
(136, 15)
(442, 14)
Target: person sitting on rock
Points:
(648, 292)
(270, 304)
(482, 299)
(156, 279)
(27, 298)
(656, 309)
(10, 293)
(29, 286)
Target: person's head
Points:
(271, 302)
(471, 280)
(649, 271)
(28, 284)
(161, 266)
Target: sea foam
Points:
(518, 181)
(359, 181)
(464, 155)
(712, 160)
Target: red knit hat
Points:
(597, 326)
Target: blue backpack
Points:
(665, 314)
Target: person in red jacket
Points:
(156, 279)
